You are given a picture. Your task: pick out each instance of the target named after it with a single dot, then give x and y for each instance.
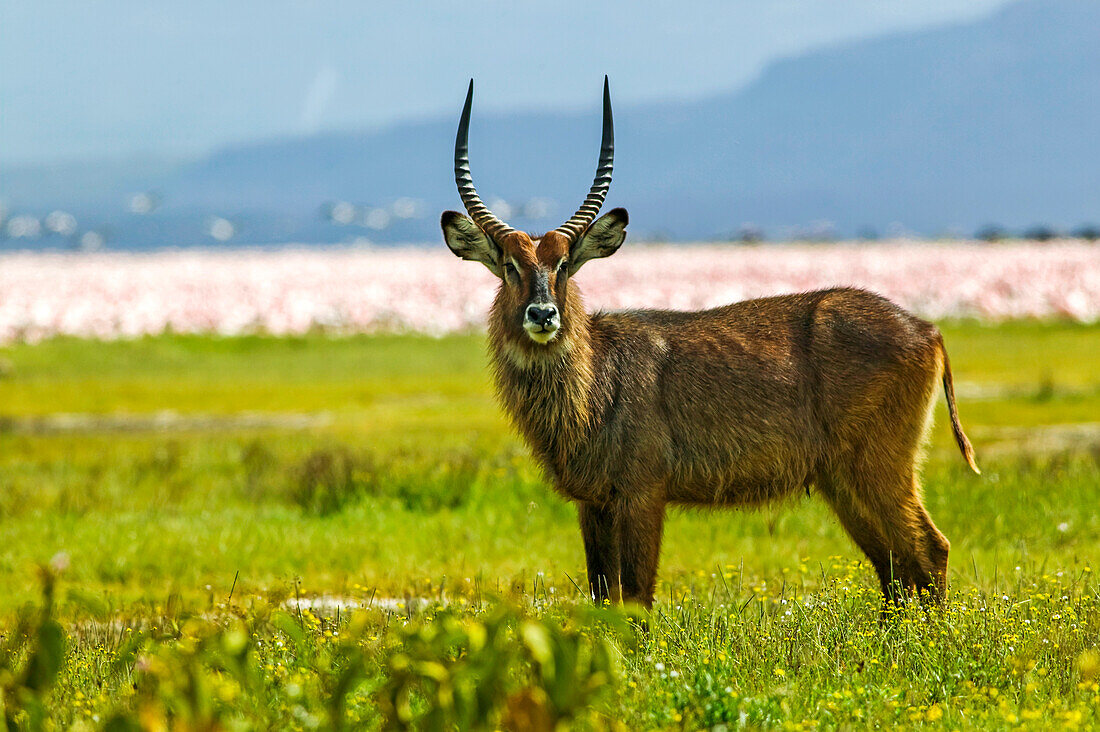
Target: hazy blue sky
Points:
(109, 79)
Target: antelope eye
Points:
(510, 270)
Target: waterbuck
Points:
(629, 412)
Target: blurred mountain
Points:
(948, 129)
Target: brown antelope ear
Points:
(468, 241)
(602, 239)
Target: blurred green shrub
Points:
(460, 673)
(30, 659)
(327, 480)
(505, 668)
(449, 672)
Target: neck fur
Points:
(546, 389)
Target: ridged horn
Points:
(586, 214)
(478, 211)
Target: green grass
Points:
(413, 489)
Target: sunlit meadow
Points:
(295, 505)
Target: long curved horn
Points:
(478, 211)
(586, 214)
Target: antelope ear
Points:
(602, 239)
(468, 241)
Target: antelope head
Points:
(535, 270)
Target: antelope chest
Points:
(581, 488)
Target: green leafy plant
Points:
(461, 673)
(31, 658)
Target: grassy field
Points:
(202, 494)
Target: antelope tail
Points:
(956, 426)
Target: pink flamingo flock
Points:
(427, 290)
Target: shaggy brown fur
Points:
(630, 412)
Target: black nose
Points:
(541, 314)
